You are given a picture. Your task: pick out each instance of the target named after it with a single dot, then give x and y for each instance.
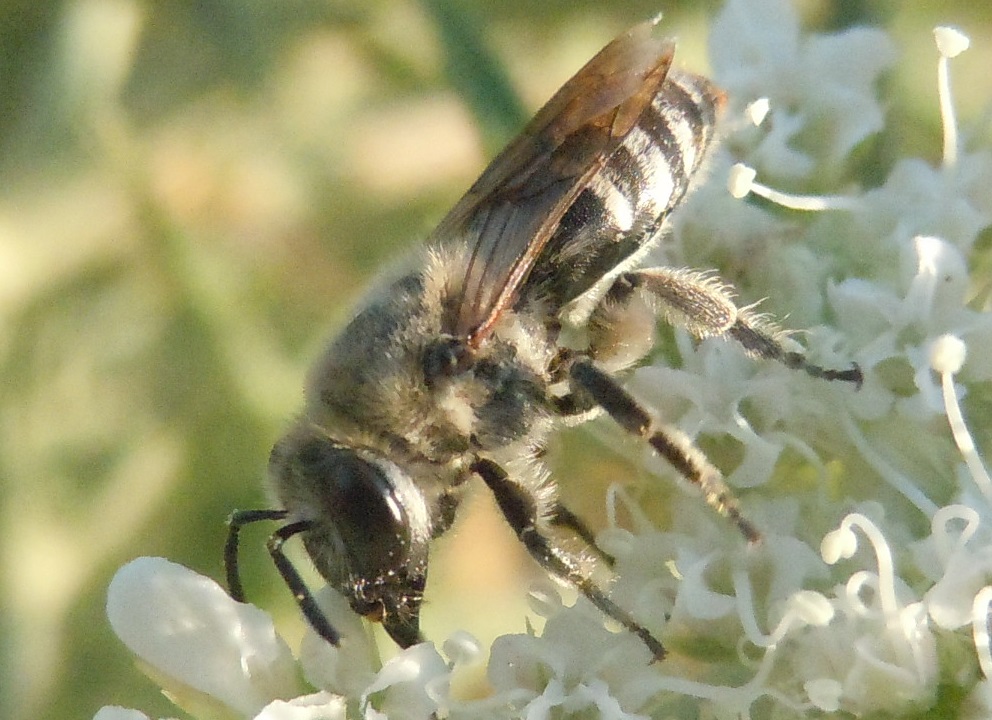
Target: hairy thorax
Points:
(374, 386)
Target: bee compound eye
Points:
(370, 507)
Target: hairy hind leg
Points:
(693, 300)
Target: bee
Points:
(459, 369)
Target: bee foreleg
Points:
(700, 303)
(669, 442)
(237, 520)
(304, 598)
(519, 507)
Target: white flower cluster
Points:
(881, 277)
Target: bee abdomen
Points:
(641, 182)
(670, 141)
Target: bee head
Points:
(369, 526)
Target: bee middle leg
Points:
(562, 517)
(668, 441)
(520, 509)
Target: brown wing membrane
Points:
(512, 210)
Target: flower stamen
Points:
(947, 356)
(741, 182)
(844, 535)
(980, 629)
(950, 43)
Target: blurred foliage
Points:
(193, 193)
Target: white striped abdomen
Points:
(625, 204)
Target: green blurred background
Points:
(192, 195)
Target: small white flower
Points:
(820, 88)
(319, 706)
(346, 670)
(963, 570)
(216, 656)
(202, 646)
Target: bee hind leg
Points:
(697, 301)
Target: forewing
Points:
(512, 210)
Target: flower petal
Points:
(115, 712)
(188, 629)
(319, 706)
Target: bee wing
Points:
(511, 211)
